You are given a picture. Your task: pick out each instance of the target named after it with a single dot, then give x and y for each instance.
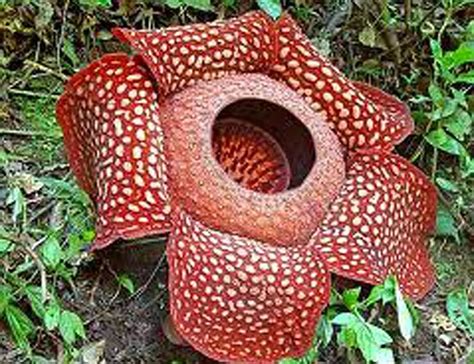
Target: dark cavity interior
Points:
(287, 130)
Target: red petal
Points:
(178, 56)
(114, 142)
(361, 115)
(236, 299)
(396, 110)
(379, 223)
(251, 156)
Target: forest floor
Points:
(108, 307)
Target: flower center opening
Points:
(262, 146)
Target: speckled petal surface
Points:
(357, 112)
(114, 142)
(379, 224)
(239, 300)
(178, 56)
(200, 185)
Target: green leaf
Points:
(368, 36)
(71, 327)
(350, 297)
(96, 3)
(457, 306)
(446, 184)
(381, 337)
(34, 295)
(345, 319)
(348, 336)
(16, 198)
(445, 224)
(436, 95)
(384, 356)
(441, 140)
(5, 246)
(466, 77)
(51, 252)
(70, 51)
(126, 282)
(173, 4)
(405, 320)
(459, 124)
(325, 330)
(384, 292)
(20, 326)
(5, 297)
(52, 316)
(464, 54)
(436, 49)
(271, 7)
(204, 5)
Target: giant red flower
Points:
(268, 168)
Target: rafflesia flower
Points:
(267, 167)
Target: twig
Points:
(61, 34)
(32, 94)
(96, 285)
(28, 133)
(143, 288)
(47, 70)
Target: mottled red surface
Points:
(249, 262)
(114, 143)
(379, 223)
(205, 191)
(237, 299)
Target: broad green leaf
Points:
(457, 306)
(5, 246)
(381, 337)
(466, 77)
(204, 5)
(325, 330)
(174, 4)
(446, 184)
(51, 252)
(52, 316)
(71, 327)
(464, 54)
(445, 224)
(345, 319)
(436, 49)
(350, 297)
(441, 140)
(405, 320)
(126, 282)
(384, 356)
(348, 336)
(20, 326)
(271, 7)
(436, 95)
(459, 124)
(384, 292)
(35, 297)
(70, 51)
(366, 341)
